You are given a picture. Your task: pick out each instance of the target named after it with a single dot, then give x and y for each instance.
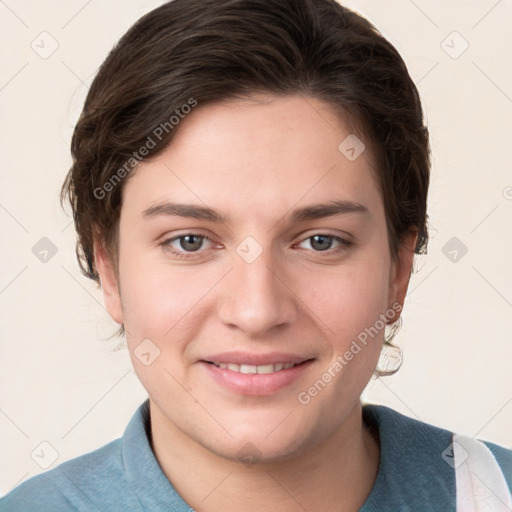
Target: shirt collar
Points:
(142, 470)
(413, 474)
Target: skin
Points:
(255, 162)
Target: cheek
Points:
(348, 299)
(350, 304)
(165, 303)
(157, 300)
(160, 308)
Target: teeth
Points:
(249, 368)
(266, 368)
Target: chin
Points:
(268, 439)
(251, 452)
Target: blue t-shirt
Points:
(124, 475)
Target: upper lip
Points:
(256, 359)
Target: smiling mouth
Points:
(249, 368)
(238, 373)
(256, 369)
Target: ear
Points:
(109, 284)
(400, 274)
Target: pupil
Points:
(187, 239)
(322, 240)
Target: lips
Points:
(255, 374)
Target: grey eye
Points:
(191, 242)
(321, 242)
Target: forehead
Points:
(253, 154)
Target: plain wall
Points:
(61, 381)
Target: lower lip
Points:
(256, 384)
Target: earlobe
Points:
(401, 273)
(109, 284)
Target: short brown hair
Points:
(216, 50)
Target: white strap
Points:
(481, 485)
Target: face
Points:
(252, 255)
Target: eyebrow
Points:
(315, 211)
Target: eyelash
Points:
(344, 244)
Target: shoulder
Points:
(83, 483)
(418, 462)
(403, 434)
(122, 475)
(398, 428)
(412, 474)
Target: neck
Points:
(335, 474)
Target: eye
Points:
(188, 243)
(184, 246)
(322, 242)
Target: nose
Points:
(258, 297)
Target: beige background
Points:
(63, 384)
